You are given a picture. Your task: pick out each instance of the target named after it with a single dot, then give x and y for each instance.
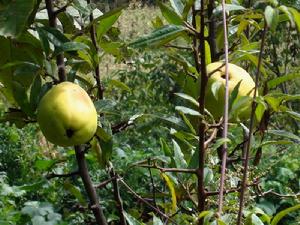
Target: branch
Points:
(199, 44)
(117, 195)
(147, 203)
(60, 57)
(176, 170)
(63, 8)
(271, 192)
(248, 146)
(97, 68)
(91, 192)
(226, 106)
(104, 183)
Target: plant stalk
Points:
(248, 144)
(225, 124)
(90, 189)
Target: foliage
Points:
(148, 135)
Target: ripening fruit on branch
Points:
(214, 100)
(66, 115)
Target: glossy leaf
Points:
(159, 37)
(14, 17)
(69, 47)
(279, 80)
(286, 134)
(283, 213)
(271, 16)
(178, 156)
(188, 111)
(171, 16)
(107, 20)
(172, 191)
(188, 98)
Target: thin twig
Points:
(146, 202)
(117, 195)
(97, 67)
(105, 183)
(247, 151)
(175, 170)
(225, 125)
(60, 57)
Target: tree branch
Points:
(91, 192)
(248, 144)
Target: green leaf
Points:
(69, 47)
(296, 15)
(271, 16)
(35, 92)
(293, 114)
(159, 37)
(279, 80)
(177, 6)
(286, 134)
(255, 220)
(286, 11)
(215, 87)
(178, 156)
(107, 20)
(189, 111)
(67, 22)
(283, 213)
(234, 94)
(189, 98)
(120, 85)
(157, 221)
(75, 191)
(171, 16)
(172, 191)
(229, 8)
(166, 149)
(131, 220)
(21, 98)
(44, 164)
(54, 36)
(14, 17)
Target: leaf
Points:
(228, 8)
(189, 111)
(172, 191)
(21, 98)
(271, 16)
(14, 17)
(69, 47)
(283, 213)
(107, 20)
(166, 149)
(296, 15)
(171, 16)
(281, 142)
(294, 114)
(54, 36)
(44, 164)
(157, 221)
(159, 37)
(234, 94)
(75, 191)
(286, 134)
(286, 11)
(178, 156)
(97, 152)
(279, 80)
(120, 85)
(131, 220)
(189, 98)
(215, 87)
(255, 220)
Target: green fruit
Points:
(67, 115)
(214, 102)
